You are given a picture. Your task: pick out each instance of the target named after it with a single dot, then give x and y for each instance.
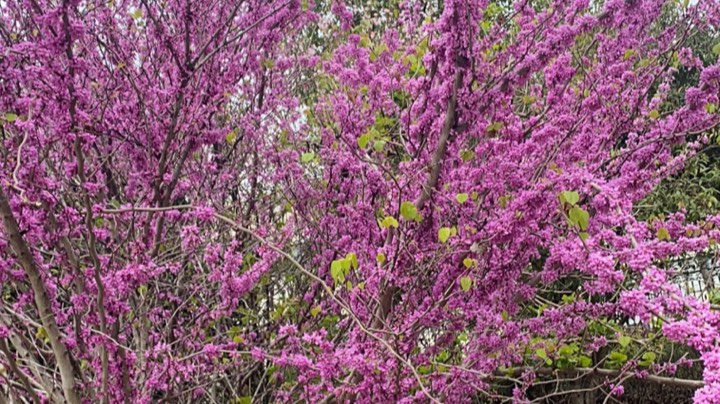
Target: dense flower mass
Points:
(270, 201)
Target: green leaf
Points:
(585, 361)
(624, 341)
(243, 400)
(363, 140)
(379, 50)
(380, 258)
(540, 353)
(389, 221)
(315, 311)
(307, 157)
(567, 350)
(461, 198)
(230, 137)
(10, 117)
(41, 333)
(654, 114)
(443, 234)
(716, 49)
(579, 217)
(618, 357)
(467, 155)
(494, 127)
(424, 370)
(710, 108)
(137, 13)
(468, 262)
(648, 358)
(379, 145)
(352, 257)
(663, 234)
(465, 283)
(569, 197)
(337, 272)
(584, 236)
(408, 210)
(529, 99)
(503, 201)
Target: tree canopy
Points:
(355, 201)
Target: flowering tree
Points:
(283, 201)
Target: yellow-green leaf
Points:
(243, 400)
(579, 217)
(363, 140)
(461, 198)
(408, 210)
(389, 221)
(315, 311)
(336, 271)
(443, 234)
(307, 157)
(380, 258)
(465, 283)
(494, 127)
(467, 155)
(503, 201)
(379, 50)
(231, 137)
(41, 333)
(379, 145)
(352, 257)
(663, 234)
(624, 340)
(569, 197)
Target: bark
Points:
(42, 301)
(386, 295)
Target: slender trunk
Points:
(42, 301)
